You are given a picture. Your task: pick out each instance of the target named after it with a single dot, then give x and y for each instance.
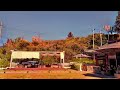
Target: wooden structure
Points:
(111, 53)
(36, 54)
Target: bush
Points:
(48, 60)
(4, 63)
(75, 66)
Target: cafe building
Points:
(108, 54)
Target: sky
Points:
(53, 25)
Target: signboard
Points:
(112, 56)
(107, 27)
(100, 57)
(25, 54)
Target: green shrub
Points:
(4, 63)
(48, 60)
(75, 66)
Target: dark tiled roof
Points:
(108, 46)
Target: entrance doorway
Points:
(118, 58)
(112, 62)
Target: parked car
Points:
(34, 64)
(26, 64)
(30, 64)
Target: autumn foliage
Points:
(71, 46)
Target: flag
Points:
(107, 28)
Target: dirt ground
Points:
(46, 74)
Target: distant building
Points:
(109, 54)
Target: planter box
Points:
(48, 65)
(90, 68)
(117, 75)
(54, 66)
(96, 69)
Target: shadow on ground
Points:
(98, 75)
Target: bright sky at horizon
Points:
(52, 25)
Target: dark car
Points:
(26, 64)
(30, 64)
(34, 64)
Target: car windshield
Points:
(25, 62)
(33, 62)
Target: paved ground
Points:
(98, 76)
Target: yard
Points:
(44, 74)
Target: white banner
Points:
(25, 54)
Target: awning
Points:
(82, 56)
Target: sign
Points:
(25, 54)
(107, 27)
(111, 56)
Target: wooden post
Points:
(11, 58)
(62, 58)
(106, 61)
(80, 66)
(11, 61)
(96, 59)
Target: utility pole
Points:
(101, 37)
(93, 46)
(1, 27)
(93, 39)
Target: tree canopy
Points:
(71, 46)
(70, 35)
(117, 23)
